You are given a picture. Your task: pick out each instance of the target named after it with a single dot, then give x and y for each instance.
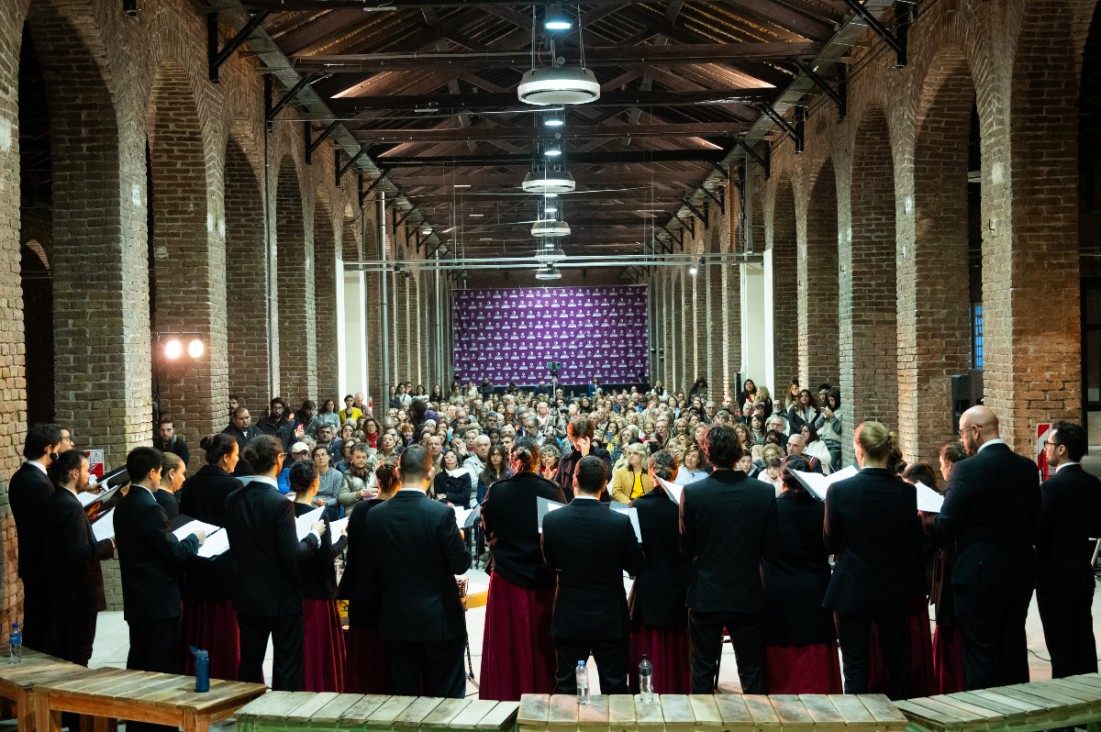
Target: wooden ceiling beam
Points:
(528, 132)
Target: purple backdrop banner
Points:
(511, 335)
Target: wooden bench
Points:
(711, 713)
(17, 681)
(282, 711)
(1039, 705)
(110, 694)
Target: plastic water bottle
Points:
(582, 683)
(15, 645)
(202, 669)
(646, 679)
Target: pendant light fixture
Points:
(558, 84)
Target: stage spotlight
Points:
(195, 348)
(173, 349)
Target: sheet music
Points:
(631, 513)
(104, 527)
(817, 484)
(543, 506)
(465, 517)
(672, 490)
(215, 544)
(87, 498)
(336, 528)
(192, 526)
(306, 520)
(928, 500)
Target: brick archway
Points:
(247, 283)
(818, 279)
(934, 323)
(324, 302)
(187, 272)
(867, 346)
(295, 283)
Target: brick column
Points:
(933, 320)
(189, 263)
(324, 306)
(247, 286)
(818, 333)
(785, 298)
(294, 253)
(867, 297)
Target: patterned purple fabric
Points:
(511, 335)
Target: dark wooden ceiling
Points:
(430, 87)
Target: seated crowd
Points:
(732, 543)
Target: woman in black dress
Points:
(367, 665)
(800, 641)
(658, 600)
(323, 667)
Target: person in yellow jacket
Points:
(632, 481)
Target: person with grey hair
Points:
(475, 463)
(777, 422)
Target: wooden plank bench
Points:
(710, 713)
(17, 681)
(292, 712)
(108, 695)
(1038, 705)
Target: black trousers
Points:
(428, 668)
(74, 639)
(287, 636)
(854, 633)
(38, 625)
(610, 654)
(154, 646)
(991, 618)
(705, 640)
(1068, 632)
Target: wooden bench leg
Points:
(24, 710)
(104, 724)
(45, 719)
(193, 723)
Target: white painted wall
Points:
(757, 356)
(352, 337)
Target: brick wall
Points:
(295, 257)
(818, 331)
(324, 306)
(781, 240)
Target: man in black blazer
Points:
(990, 510)
(267, 595)
(727, 525)
(29, 492)
(589, 547)
(1070, 513)
(418, 550)
(151, 562)
(75, 581)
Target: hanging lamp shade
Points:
(549, 272)
(548, 182)
(558, 85)
(550, 228)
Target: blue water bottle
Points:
(202, 669)
(15, 645)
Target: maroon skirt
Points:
(367, 669)
(667, 649)
(211, 625)
(948, 660)
(517, 649)
(921, 652)
(813, 669)
(323, 669)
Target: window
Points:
(976, 336)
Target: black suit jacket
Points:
(363, 596)
(659, 594)
(242, 437)
(1070, 513)
(727, 525)
(869, 526)
(75, 580)
(29, 492)
(589, 547)
(797, 575)
(169, 502)
(509, 517)
(150, 558)
(265, 545)
(417, 551)
(990, 509)
(568, 466)
(203, 497)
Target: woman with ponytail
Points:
(209, 620)
(869, 526)
(518, 654)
